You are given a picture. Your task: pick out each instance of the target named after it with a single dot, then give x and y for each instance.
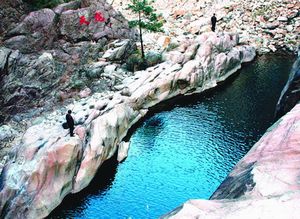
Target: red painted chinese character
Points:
(99, 17)
(82, 20)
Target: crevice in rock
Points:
(235, 186)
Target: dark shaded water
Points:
(185, 153)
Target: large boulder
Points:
(112, 25)
(120, 50)
(11, 12)
(37, 31)
(4, 54)
(28, 78)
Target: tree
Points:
(147, 19)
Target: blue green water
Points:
(185, 152)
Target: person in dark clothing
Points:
(70, 122)
(213, 22)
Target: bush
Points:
(153, 58)
(135, 62)
(171, 46)
(39, 4)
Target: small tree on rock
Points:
(147, 19)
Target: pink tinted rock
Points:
(81, 132)
(85, 92)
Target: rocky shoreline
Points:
(50, 63)
(49, 165)
(264, 184)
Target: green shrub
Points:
(135, 62)
(153, 58)
(171, 46)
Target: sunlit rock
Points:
(49, 164)
(123, 150)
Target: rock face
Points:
(36, 31)
(40, 29)
(11, 12)
(46, 166)
(264, 184)
(50, 55)
(291, 92)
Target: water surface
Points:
(186, 152)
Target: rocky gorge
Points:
(47, 59)
(49, 165)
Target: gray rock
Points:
(110, 69)
(37, 31)
(114, 26)
(120, 50)
(7, 133)
(73, 5)
(153, 58)
(11, 12)
(282, 19)
(271, 26)
(4, 54)
(289, 28)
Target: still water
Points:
(187, 151)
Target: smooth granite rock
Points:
(49, 164)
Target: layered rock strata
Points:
(264, 184)
(47, 164)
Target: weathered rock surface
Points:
(291, 92)
(264, 184)
(36, 31)
(46, 166)
(268, 25)
(49, 56)
(11, 12)
(119, 50)
(40, 29)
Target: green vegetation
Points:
(171, 46)
(291, 42)
(136, 62)
(263, 10)
(147, 19)
(39, 4)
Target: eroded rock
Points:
(49, 165)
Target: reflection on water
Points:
(186, 152)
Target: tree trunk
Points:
(141, 37)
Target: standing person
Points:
(213, 22)
(70, 122)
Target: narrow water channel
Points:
(185, 152)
